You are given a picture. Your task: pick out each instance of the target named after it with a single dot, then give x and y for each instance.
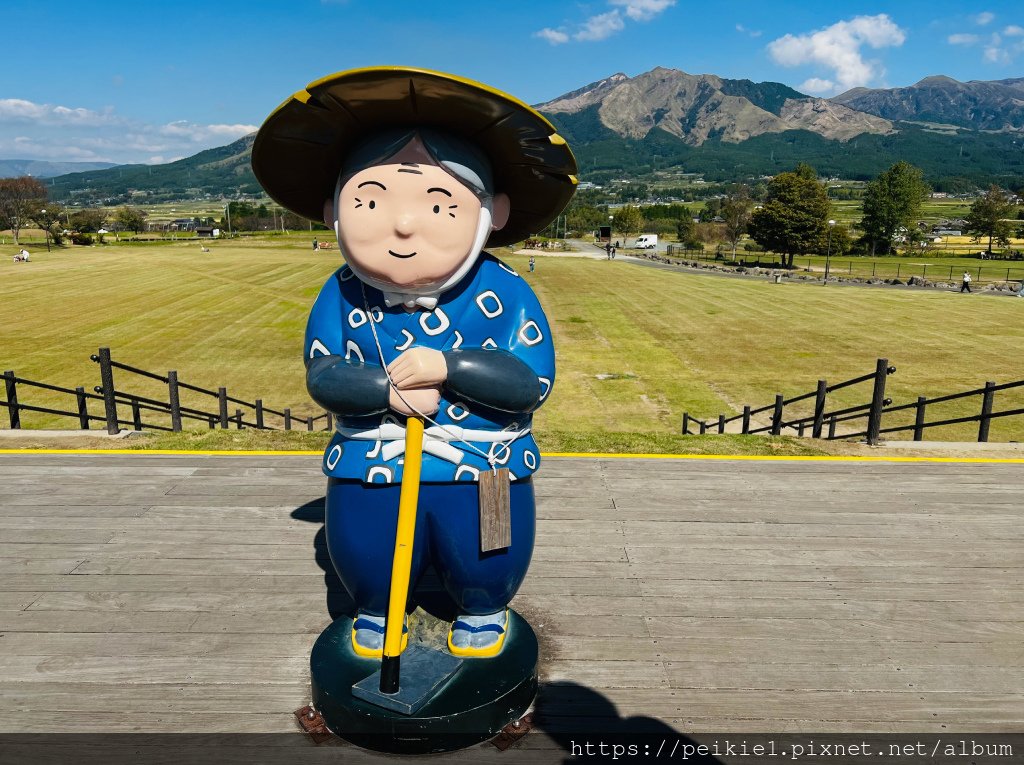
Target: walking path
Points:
(183, 594)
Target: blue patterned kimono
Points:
(491, 308)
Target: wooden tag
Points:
(495, 515)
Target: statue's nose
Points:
(405, 224)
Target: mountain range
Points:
(724, 129)
(698, 108)
(37, 168)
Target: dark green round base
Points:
(483, 697)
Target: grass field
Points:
(663, 343)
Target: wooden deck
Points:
(704, 595)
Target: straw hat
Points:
(300, 148)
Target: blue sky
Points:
(151, 82)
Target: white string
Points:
(380, 352)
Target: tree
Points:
(88, 220)
(794, 218)
(892, 202)
(805, 171)
(684, 229)
(841, 241)
(46, 216)
(18, 197)
(736, 212)
(988, 218)
(628, 220)
(130, 218)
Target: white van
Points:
(647, 242)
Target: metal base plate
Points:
(476, 703)
(424, 673)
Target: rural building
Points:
(207, 232)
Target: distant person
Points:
(966, 286)
(613, 251)
(608, 250)
(22, 256)
(316, 244)
(533, 262)
(1021, 293)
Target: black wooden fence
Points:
(141, 406)
(871, 413)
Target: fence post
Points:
(222, 397)
(107, 381)
(986, 412)
(136, 414)
(287, 419)
(259, 414)
(800, 429)
(703, 427)
(819, 409)
(919, 418)
(238, 419)
(83, 409)
(12, 400)
(686, 423)
(746, 419)
(877, 401)
(213, 422)
(175, 402)
(832, 427)
(777, 416)
(721, 423)
(330, 422)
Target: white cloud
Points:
(643, 10)
(983, 18)
(553, 36)
(815, 85)
(600, 27)
(838, 48)
(1014, 31)
(751, 32)
(963, 39)
(60, 132)
(603, 25)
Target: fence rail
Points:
(114, 398)
(871, 412)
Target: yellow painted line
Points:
(780, 458)
(164, 451)
(768, 458)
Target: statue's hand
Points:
(418, 368)
(426, 400)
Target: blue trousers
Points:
(362, 521)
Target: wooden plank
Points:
(91, 645)
(147, 670)
(940, 631)
(785, 650)
(832, 677)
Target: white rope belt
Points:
(436, 439)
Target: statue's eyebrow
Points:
(371, 183)
(443, 191)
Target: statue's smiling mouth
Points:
(396, 255)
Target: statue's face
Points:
(408, 224)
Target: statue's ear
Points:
(501, 210)
(329, 214)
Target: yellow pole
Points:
(401, 566)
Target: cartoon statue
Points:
(417, 171)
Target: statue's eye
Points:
(437, 208)
(372, 204)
